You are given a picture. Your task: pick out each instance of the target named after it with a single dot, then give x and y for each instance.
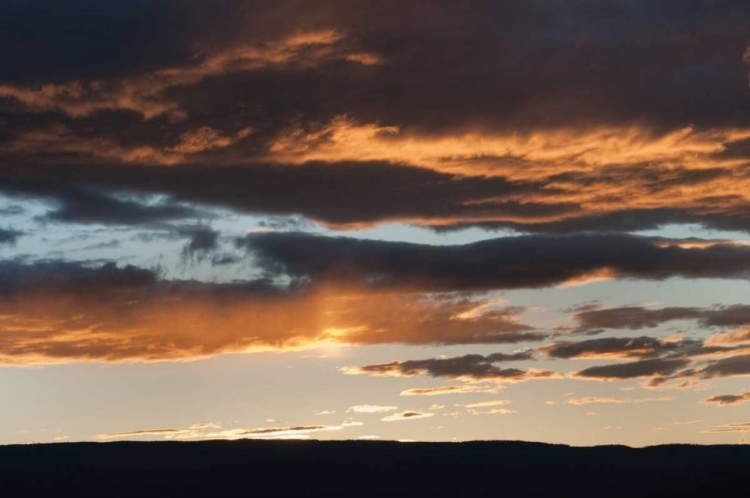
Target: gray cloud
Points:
(661, 367)
(620, 347)
(728, 399)
(512, 262)
(92, 206)
(202, 242)
(472, 368)
(408, 415)
(637, 317)
(724, 367)
(9, 237)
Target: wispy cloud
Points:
(409, 415)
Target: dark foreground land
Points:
(312, 468)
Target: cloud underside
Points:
(503, 263)
(468, 368)
(351, 291)
(626, 118)
(552, 131)
(592, 321)
(659, 363)
(57, 312)
(409, 415)
(728, 399)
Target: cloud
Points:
(591, 400)
(443, 390)
(493, 411)
(469, 368)
(416, 195)
(144, 94)
(544, 134)
(472, 407)
(411, 415)
(632, 317)
(202, 242)
(728, 399)
(141, 433)
(740, 336)
(729, 428)
(619, 348)
(205, 425)
(55, 311)
(207, 138)
(724, 367)
(638, 317)
(92, 206)
(504, 263)
(662, 367)
(9, 237)
(371, 409)
(485, 404)
(203, 431)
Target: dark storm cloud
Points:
(202, 242)
(74, 203)
(512, 262)
(16, 276)
(47, 40)
(8, 236)
(342, 193)
(531, 121)
(90, 206)
(583, 59)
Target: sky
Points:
(375, 219)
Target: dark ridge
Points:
(348, 468)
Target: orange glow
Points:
(46, 326)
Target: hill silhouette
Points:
(372, 468)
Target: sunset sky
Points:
(408, 220)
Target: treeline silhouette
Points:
(372, 468)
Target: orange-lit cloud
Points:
(493, 411)
(141, 433)
(729, 428)
(371, 409)
(485, 404)
(632, 168)
(203, 431)
(60, 140)
(516, 156)
(144, 94)
(601, 400)
(739, 336)
(59, 313)
(443, 390)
